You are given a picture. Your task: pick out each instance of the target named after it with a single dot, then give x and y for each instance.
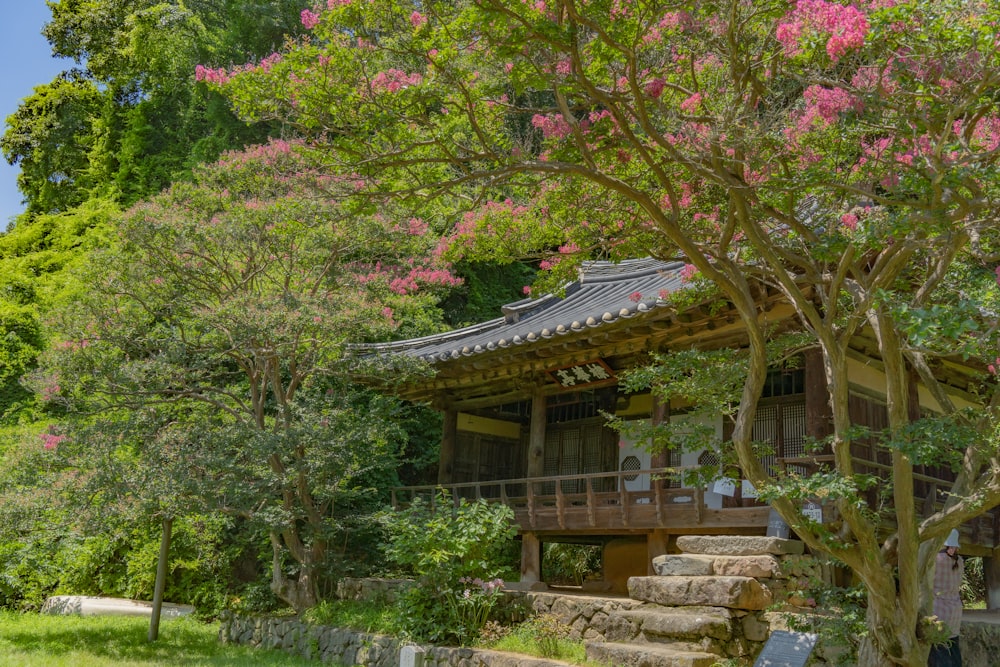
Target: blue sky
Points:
(28, 62)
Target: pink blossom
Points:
(850, 221)
(691, 104)
(688, 273)
(526, 290)
(845, 27)
(217, 76)
(994, 368)
(635, 297)
(333, 4)
(998, 275)
(416, 227)
(823, 107)
(394, 80)
(417, 19)
(655, 87)
(51, 440)
(552, 126)
(309, 19)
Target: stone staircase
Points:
(706, 604)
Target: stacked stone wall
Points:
(346, 647)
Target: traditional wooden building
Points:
(525, 398)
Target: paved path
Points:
(86, 605)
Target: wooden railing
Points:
(595, 501)
(601, 503)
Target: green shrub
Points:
(456, 553)
(543, 635)
(570, 563)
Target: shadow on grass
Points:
(111, 640)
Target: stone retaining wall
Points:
(346, 647)
(589, 618)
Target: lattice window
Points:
(574, 450)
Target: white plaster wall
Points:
(712, 500)
(628, 446)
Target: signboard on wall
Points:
(581, 375)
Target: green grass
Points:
(542, 636)
(369, 617)
(34, 640)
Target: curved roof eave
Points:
(605, 293)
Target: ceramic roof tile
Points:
(605, 293)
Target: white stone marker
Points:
(411, 656)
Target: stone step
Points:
(738, 545)
(708, 591)
(658, 624)
(647, 655)
(694, 565)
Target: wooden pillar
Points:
(449, 439)
(656, 545)
(536, 438)
(531, 558)
(819, 414)
(661, 414)
(991, 572)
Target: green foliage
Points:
(66, 528)
(542, 635)
(840, 624)
(444, 538)
(974, 590)
(937, 440)
(21, 341)
(131, 118)
(50, 137)
(454, 550)
(485, 288)
(565, 563)
(211, 340)
(367, 616)
(711, 379)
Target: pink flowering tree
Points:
(842, 153)
(217, 319)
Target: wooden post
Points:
(819, 414)
(656, 545)
(531, 558)
(449, 438)
(536, 437)
(161, 581)
(660, 414)
(991, 572)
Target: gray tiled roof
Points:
(605, 293)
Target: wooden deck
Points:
(584, 504)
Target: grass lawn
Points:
(35, 640)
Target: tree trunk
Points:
(161, 581)
(888, 642)
(302, 592)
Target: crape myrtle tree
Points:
(843, 153)
(222, 310)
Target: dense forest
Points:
(87, 483)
